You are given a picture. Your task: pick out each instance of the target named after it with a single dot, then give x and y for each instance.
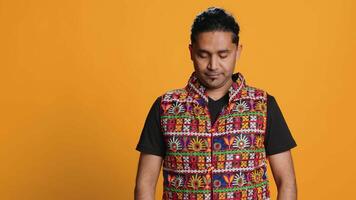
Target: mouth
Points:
(212, 75)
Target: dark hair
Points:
(215, 19)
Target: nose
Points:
(213, 63)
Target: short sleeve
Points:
(151, 138)
(278, 136)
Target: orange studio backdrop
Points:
(78, 78)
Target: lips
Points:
(212, 75)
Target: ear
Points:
(191, 51)
(238, 53)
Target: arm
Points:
(147, 174)
(284, 175)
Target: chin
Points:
(216, 83)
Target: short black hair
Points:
(215, 19)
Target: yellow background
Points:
(78, 78)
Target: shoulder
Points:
(271, 100)
(174, 94)
(175, 91)
(270, 97)
(255, 92)
(272, 105)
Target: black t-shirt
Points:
(278, 137)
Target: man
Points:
(215, 135)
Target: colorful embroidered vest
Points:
(224, 160)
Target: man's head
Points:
(214, 47)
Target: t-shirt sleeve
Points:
(278, 136)
(151, 139)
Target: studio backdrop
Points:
(78, 77)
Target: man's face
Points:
(214, 57)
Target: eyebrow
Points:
(220, 51)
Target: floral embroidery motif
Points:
(239, 179)
(261, 106)
(174, 144)
(195, 182)
(178, 182)
(176, 108)
(241, 106)
(241, 142)
(197, 110)
(196, 144)
(257, 176)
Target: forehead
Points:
(215, 40)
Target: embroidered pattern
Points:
(224, 160)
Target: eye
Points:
(202, 55)
(224, 55)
